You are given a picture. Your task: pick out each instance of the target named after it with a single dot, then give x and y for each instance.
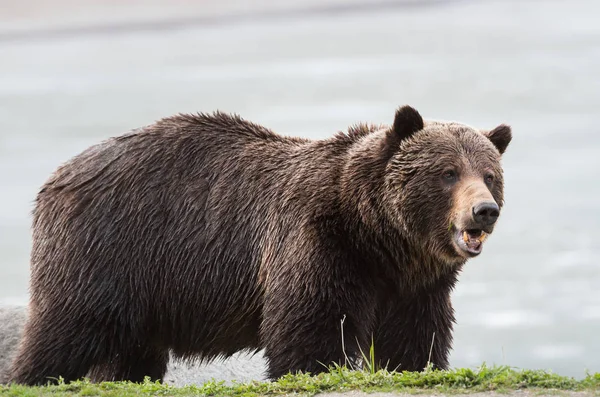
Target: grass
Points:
(338, 379)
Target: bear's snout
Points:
(486, 213)
(476, 214)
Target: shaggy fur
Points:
(205, 235)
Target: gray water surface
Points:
(531, 300)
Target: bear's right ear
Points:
(407, 122)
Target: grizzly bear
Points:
(203, 235)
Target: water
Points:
(531, 300)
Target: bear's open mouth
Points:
(471, 240)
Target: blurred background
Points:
(75, 72)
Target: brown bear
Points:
(203, 235)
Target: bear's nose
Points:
(486, 213)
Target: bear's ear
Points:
(407, 122)
(500, 137)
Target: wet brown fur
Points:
(206, 234)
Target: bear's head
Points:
(444, 183)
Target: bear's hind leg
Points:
(50, 349)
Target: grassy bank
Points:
(500, 379)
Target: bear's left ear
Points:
(407, 122)
(500, 137)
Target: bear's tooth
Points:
(466, 236)
(482, 237)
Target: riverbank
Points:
(344, 382)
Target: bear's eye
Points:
(449, 176)
(489, 179)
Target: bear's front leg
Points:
(415, 329)
(305, 302)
